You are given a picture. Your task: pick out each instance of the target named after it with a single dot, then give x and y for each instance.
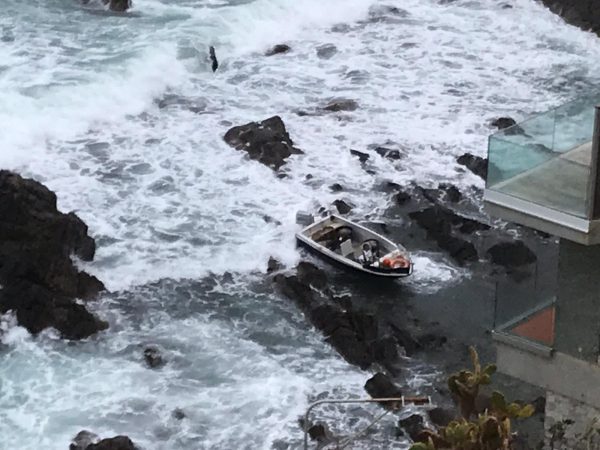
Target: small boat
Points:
(354, 246)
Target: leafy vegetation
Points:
(489, 430)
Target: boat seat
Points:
(347, 249)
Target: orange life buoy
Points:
(398, 262)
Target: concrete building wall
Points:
(570, 425)
(578, 301)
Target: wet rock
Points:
(342, 206)
(362, 157)
(476, 164)
(342, 104)
(299, 292)
(320, 433)
(278, 49)
(40, 280)
(381, 386)
(353, 350)
(336, 187)
(118, 5)
(267, 142)
(405, 339)
(440, 416)
(440, 224)
(413, 425)
(153, 357)
(311, 275)
(273, 265)
(503, 122)
(401, 197)
(178, 414)
(326, 51)
(385, 352)
(432, 341)
(115, 443)
(580, 13)
(452, 193)
(388, 153)
(83, 439)
(511, 254)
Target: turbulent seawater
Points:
(122, 117)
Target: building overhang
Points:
(542, 366)
(552, 221)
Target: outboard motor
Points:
(303, 218)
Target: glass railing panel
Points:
(527, 308)
(574, 124)
(546, 159)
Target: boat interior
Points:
(350, 242)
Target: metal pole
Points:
(402, 400)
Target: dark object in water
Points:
(213, 58)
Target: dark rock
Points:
(326, 51)
(503, 122)
(299, 292)
(476, 164)
(432, 341)
(452, 193)
(118, 5)
(213, 58)
(38, 308)
(381, 386)
(362, 157)
(273, 265)
(353, 350)
(83, 439)
(440, 223)
(342, 206)
(388, 153)
(511, 254)
(267, 141)
(319, 432)
(405, 339)
(413, 425)
(269, 219)
(402, 197)
(580, 13)
(440, 416)
(277, 49)
(310, 274)
(364, 325)
(341, 105)
(153, 357)
(329, 318)
(336, 187)
(385, 352)
(178, 414)
(116, 443)
(39, 278)
(309, 176)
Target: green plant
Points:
(489, 430)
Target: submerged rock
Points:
(267, 141)
(153, 357)
(511, 254)
(40, 280)
(326, 51)
(273, 265)
(341, 105)
(277, 49)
